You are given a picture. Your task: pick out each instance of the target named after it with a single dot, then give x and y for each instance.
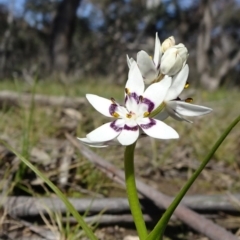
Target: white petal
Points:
(188, 109)
(101, 104)
(170, 111)
(131, 103)
(106, 132)
(157, 129)
(157, 52)
(129, 134)
(135, 81)
(129, 61)
(90, 143)
(176, 115)
(93, 144)
(156, 92)
(122, 111)
(147, 67)
(178, 84)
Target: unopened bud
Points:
(169, 42)
(174, 59)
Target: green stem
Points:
(68, 205)
(158, 231)
(132, 192)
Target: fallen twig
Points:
(23, 206)
(107, 219)
(231, 222)
(189, 217)
(10, 98)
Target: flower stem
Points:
(132, 192)
(158, 231)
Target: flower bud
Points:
(174, 59)
(169, 42)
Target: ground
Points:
(38, 133)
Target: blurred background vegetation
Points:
(69, 46)
(72, 39)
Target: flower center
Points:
(129, 115)
(136, 107)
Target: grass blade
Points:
(69, 206)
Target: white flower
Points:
(133, 118)
(174, 106)
(150, 68)
(174, 59)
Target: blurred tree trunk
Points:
(61, 36)
(211, 76)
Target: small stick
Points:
(24, 206)
(10, 98)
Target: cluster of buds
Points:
(174, 57)
(169, 59)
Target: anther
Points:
(128, 115)
(140, 98)
(186, 85)
(146, 114)
(113, 100)
(127, 91)
(188, 100)
(116, 115)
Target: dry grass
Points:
(160, 163)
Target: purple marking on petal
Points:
(151, 123)
(132, 95)
(135, 96)
(115, 127)
(112, 108)
(135, 128)
(125, 99)
(149, 103)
